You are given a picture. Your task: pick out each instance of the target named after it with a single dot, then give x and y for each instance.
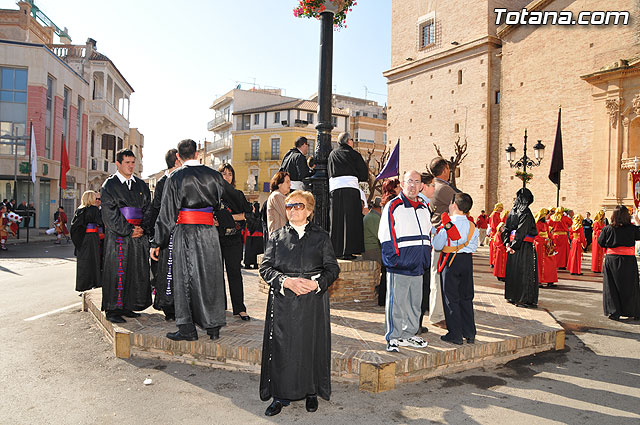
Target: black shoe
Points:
(562, 268)
(526, 305)
(615, 317)
(449, 338)
(349, 257)
(169, 317)
(177, 336)
(131, 314)
(274, 408)
(246, 317)
(312, 403)
(471, 340)
(550, 285)
(214, 333)
(116, 319)
(422, 330)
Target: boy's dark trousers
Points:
(457, 296)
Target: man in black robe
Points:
(160, 270)
(346, 168)
(191, 194)
(521, 280)
(295, 163)
(125, 213)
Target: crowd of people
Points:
(170, 251)
(527, 251)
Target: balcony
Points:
(219, 145)
(272, 156)
(253, 156)
(218, 123)
(105, 109)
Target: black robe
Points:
(295, 163)
(163, 299)
(198, 285)
(296, 347)
(136, 288)
(87, 248)
(254, 242)
(521, 280)
(347, 231)
(620, 293)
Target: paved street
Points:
(59, 369)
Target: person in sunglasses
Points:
(299, 265)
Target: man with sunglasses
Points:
(405, 236)
(295, 163)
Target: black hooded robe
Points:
(197, 280)
(130, 288)
(521, 280)
(620, 293)
(87, 247)
(296, 347)
(347, 230)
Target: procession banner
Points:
(636, 187)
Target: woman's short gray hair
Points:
(344, 138)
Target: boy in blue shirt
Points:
(457, 238)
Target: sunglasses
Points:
(296, 206)
(97, 199)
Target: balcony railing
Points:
(272, 156)
(253, 156)
(219, 144)
(217, 122)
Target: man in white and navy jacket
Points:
(405, 236)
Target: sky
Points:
(180, 56)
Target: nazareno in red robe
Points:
(597, 252)
(494, 220)
(500, 259)
(578, 243)
(561, 240)
(547, 269)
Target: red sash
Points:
(622, 250)
(186, 216)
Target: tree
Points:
(375, 165)
(460, 150)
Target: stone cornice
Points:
(621, 68)
(505, 29)
(456, 51)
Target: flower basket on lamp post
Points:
(314, 8)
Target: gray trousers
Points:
(436, 311)
(403, 306)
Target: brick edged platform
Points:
(505, 332)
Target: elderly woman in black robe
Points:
(521, 280)
(299, 264)
(86, 240)
(620, 293)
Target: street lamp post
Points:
(525, 161)
(319, 181)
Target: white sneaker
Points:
(414, 341)
(392, 346)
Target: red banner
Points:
(636, 187)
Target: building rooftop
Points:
(301, 104)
